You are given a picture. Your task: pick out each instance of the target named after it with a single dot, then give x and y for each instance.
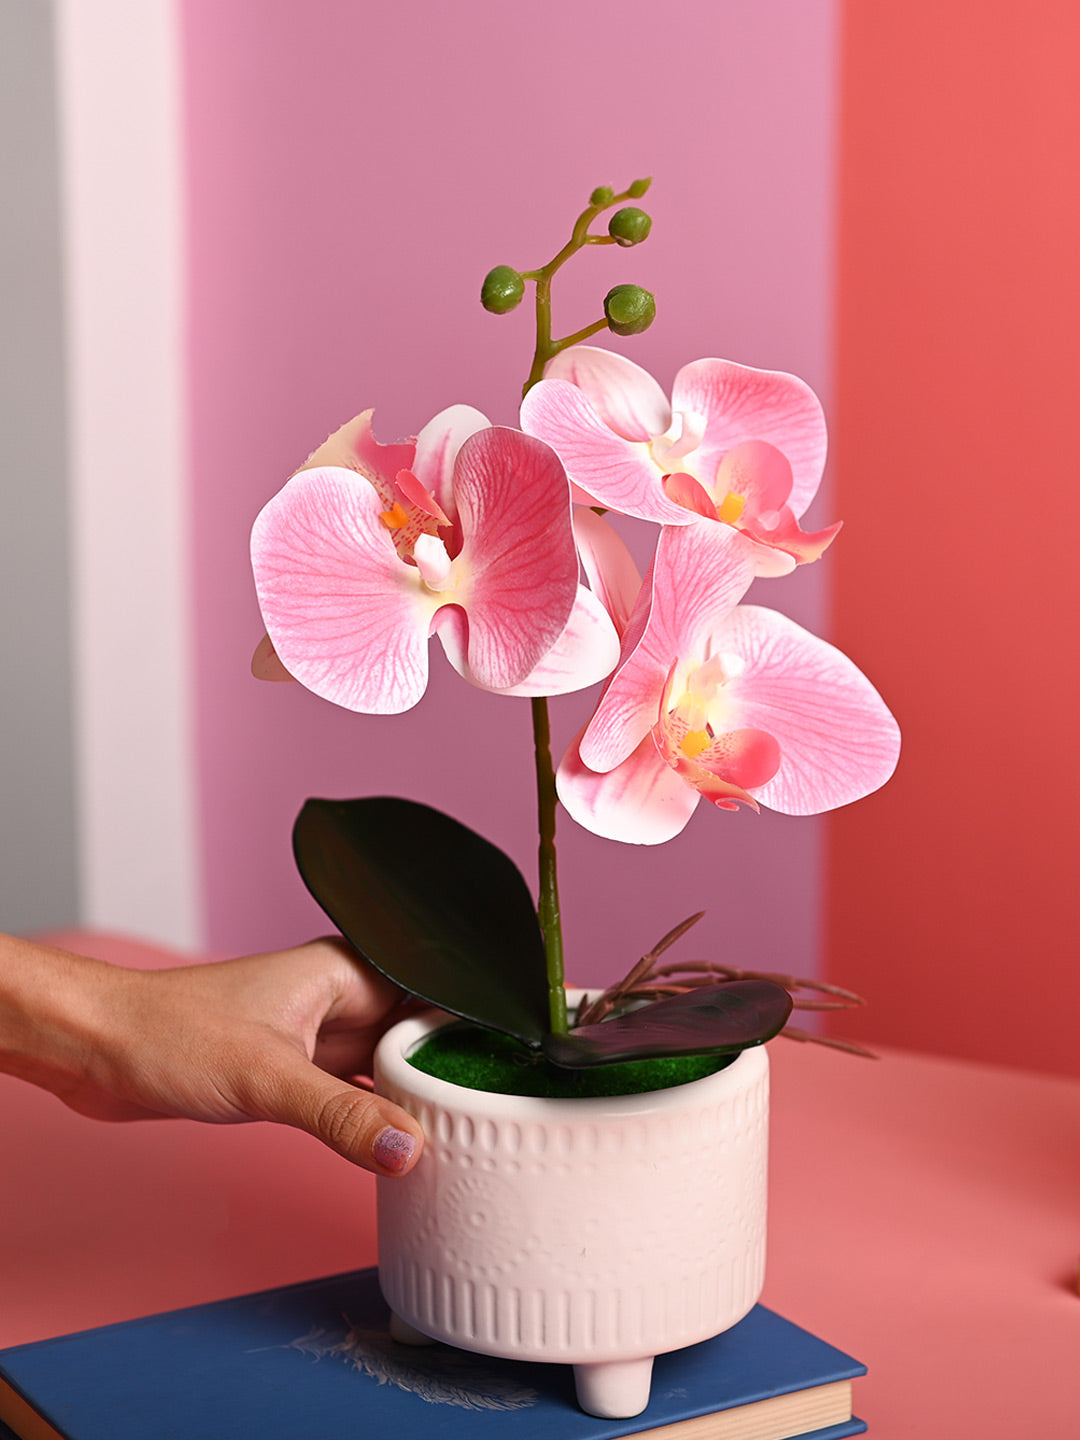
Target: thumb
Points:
(366, 1129)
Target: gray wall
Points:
(38, 861)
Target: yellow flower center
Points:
(395, 518)
(694, 742)
(731, 508)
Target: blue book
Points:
(315, 1361)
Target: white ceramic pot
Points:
(593, 1232)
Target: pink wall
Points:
(353, 172)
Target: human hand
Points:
(265, 1037)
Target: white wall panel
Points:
(122, 197)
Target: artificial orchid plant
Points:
(478, 535)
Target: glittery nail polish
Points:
(393, 1149)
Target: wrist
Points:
(54, 1009)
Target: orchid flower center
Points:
(434, 563)
(730, 509)
(396, 518)
(414, 518)
(706, 706)
(753, 473)
(682, 436)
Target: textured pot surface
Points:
(580, 1231)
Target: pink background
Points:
(848, 191)
(352, 173)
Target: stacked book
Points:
(315, 1361)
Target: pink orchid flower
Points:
(739, 446)
(732, 702)
(464, 532)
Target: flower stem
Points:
(579, 238)
(548, 895)
(547, 800)
(578, 336)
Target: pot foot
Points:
(614, 1389)
(406, 1334)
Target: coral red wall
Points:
(953, 897)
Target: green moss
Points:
(478, 1059)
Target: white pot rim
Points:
(393, 1071)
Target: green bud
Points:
(629, 226)
(629, 309)
(502, 290)
(639, 187)
(601, 196)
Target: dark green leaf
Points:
(436, 907)
(717, 1019)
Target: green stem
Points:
(548, 899)
(543, 351)
(547, 800)
(579, 238)
(578, 336)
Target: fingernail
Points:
(393, 1149)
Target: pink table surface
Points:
(925, 1216)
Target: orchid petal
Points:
(785, 536)
(641, 802)
(354, 447)
(838, 741)
(758, 472)
(723, 793)
(699, 573)
(518, 560)
(744, 404)
(581, 497)
(437, 447)
(684, 490)
(682, 437)
(624, 396)
(769, 562)
(584, 654)
(608, 469)
(716, 780)
(420, 499)
(346, 616)
(608, 565)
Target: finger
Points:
(346, 1052)
(365, 995)
(366, 1129)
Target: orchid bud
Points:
(629, 226)
(639, 187)
(502, 290)
(629, 309)
(601, 196)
